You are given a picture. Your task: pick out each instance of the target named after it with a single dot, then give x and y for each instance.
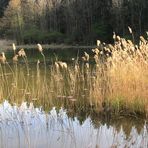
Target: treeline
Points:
(72, 21)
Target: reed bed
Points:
(112, 79)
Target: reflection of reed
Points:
(27, 126)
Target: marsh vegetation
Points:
(89, 91)
(69, 92)
(109, 78)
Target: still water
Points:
(26, 126)
(76, 125)
(51, 54)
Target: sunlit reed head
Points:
(15, 58)
(3, 58)
(14, 47)
(98, 42)
(40, 47)
(130, 30)
(22, 53)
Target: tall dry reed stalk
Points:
(112, 76)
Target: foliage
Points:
(80, 21)
(101, 31)
(34, 35)
(3, 5)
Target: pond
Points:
(65, 98)
(52, 54)
(26, 126)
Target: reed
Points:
(113, 78)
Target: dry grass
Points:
(116, 75)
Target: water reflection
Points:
(51, 54)
(27, 126)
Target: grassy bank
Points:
(111, 79)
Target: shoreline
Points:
(47, 46)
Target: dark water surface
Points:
(67, 54)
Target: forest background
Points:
(71, 21)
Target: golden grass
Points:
(118, 76)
